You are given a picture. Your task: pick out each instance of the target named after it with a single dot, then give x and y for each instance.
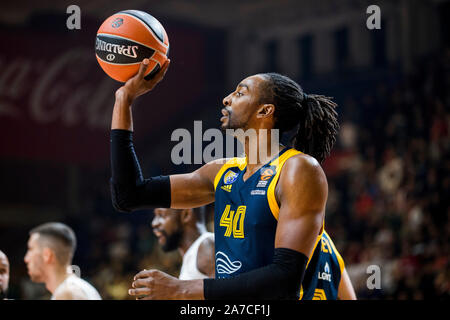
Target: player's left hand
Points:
(154, 285)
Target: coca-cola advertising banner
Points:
(56, 102)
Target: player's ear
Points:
(265, 110)
(187, 215)
(47, 255)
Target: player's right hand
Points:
(137, 85)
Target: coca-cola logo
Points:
(54, 91)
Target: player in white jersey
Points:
(75, 288)
(185, 230)
(49, 257)
(192, 259)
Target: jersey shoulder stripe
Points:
(278, 163)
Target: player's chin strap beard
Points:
(172, 241)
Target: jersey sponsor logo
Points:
(225, 265)
(230, 177)
(325, 275)
(226, 187)
(258, 192)
(267, 173)
(262, 184)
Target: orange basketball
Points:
(125, 39)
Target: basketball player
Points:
(4, 275)
(185, 230)
(51, 247)
(269, 213)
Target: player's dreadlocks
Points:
(315, 115)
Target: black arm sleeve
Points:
(279, 280)
(129, 190)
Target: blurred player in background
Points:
(185, 230)
(51, 247)
(4, 275)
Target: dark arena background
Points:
(388, 174)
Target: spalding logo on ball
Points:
(125, 39)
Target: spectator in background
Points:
(391, 174)
(400, 220)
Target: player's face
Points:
(4, 274)
(167, 228)
(34, 259)
(240, 106)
